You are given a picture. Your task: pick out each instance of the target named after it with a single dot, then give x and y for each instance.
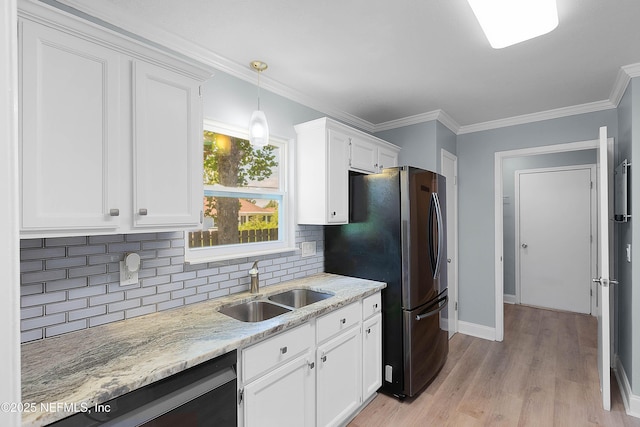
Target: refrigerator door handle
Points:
(441, 304)
(431, 243)
(436, 264)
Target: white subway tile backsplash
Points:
(170, 304)
(63, 307)
(73, 283)
(65, 327)
(87, 312)
(60, 285)
(43, 276)
(42, 299)
(107, 318)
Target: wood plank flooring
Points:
(544, 373)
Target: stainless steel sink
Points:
(254, 311)
(297, 298)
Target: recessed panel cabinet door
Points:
(167, 157)
(283, 397)
(339, 380)
(337, 178)
(69, 131)
(371, 356)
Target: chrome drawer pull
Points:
(368, 330)
(343, 321)
(114, 212)
(142, 212)
(323, 358)
(311, 364)
(283, 350)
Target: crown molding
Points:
(438, 115)
(625, 74)
(589, 107)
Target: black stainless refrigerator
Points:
(397, 234)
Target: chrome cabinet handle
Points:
(343, 321)
(142, 212)
(311, 364)
(323, 358)
(525, 246)
(368, 330)
(114, 212)
(283, 350)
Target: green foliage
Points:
(259, 224)
(253, 164)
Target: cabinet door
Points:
(337, 178)
(387, 158)
(339, 378)
(167, 158)
(283, 397)
(70, 129)
(371, 356)
(364, 155)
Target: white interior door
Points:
(449, 166)
(554, 229)
(605, 312)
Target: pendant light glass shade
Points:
(258, 126)
(258, 129)
(507, 22)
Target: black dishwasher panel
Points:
(204, 395)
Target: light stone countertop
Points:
(91, 366)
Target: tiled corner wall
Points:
(72, 283)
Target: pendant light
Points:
(258, 126)
(507, 22)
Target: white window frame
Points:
(286, 234)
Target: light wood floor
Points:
(544, 373)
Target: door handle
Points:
(525, 246)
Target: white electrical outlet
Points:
(308, 248)
(129, 269)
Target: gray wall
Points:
(476, 152)
(627, 295)
(418, 144)
(509, 168)
(421, 143)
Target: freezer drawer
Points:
(426, 345)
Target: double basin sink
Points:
(274, 305)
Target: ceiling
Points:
(382, 63)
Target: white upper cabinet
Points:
(326, 152)
(69, 152)
(111, 130)
(371, 155)
(167, 147)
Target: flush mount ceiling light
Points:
(258, 126)
(507, 22)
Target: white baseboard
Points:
(475, 330)
(509, 299)
(631, 401)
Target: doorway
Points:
(500, 156)
(555, 225)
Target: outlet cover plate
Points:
(308, 249)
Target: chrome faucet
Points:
(255, 281)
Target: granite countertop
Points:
(88, 367)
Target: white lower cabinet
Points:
(371, 356)
(318, 374)
(338, 378)
(283, 397)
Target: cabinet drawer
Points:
(371, 305)
(267, 354)
(339, 320)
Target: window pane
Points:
(234, 162)
(237, 220)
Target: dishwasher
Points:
(204, 395)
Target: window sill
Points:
(191, 259)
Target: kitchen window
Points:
(246, 203)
